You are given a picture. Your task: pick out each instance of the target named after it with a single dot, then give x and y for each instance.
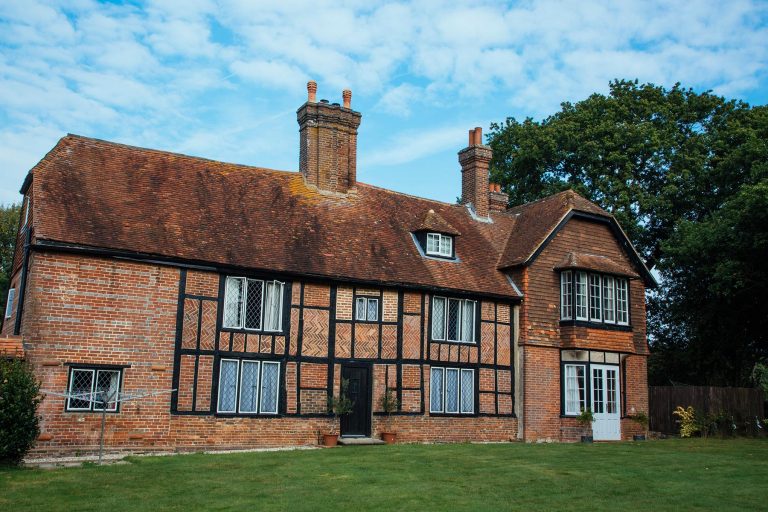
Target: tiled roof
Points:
(594, 262)
(535, 221)
(100, 194)
(434, 222)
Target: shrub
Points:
(19, 398)
(687, 418)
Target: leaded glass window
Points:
(453, 319)
(452, 391)
(253, 304)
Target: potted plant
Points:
(339, 405)
(389, 404)
(585, 419)
(641, 419)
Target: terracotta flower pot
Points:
(330, 439)
(389, 437)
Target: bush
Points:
(19, 398)
(688, 423)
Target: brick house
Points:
(253, 292)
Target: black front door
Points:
(358, 422)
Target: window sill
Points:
(468, 343)
(595, 325)
(253, 331)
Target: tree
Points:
(649, 155)
(678, 169)
(716, 286)
(9, 224)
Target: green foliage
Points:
(685, 175)
(586, 417)
(710, 323)
(688, 422)
(9, 224)
(389, 402)
(341, 404)
(19, 398)
(640, 418)
(760, 377)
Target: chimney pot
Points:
(312, 91)
(347, 95)
(478, 136)
(471, 137)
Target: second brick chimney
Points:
(328, 142)
(474, 160)
(497, 200)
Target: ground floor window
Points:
(575, 389)
(452, 391)
(248, 386)
(91, 389)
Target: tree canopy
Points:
(684, 173)
(9, 224)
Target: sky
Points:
(223, 79)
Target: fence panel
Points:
(744, 404)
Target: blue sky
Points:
(223, 79)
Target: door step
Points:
(358, 441)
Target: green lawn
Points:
(657, 475)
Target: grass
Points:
(693, 474)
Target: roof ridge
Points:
(83, 138)
(122, 145)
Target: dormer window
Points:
(439, 245)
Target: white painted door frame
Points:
(605, 402)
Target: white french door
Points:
(605, 403)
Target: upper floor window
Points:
(366, 309)
(9, 303)
(593, 297)
(453, 319)
(439, 245)
(253, 304)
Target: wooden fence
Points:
(744, 404)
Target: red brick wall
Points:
(542, 336)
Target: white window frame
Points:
(460, 328)
(581, 306)
(444, 398)
(361, 312)
(566, 295)
(622, 301)
(92, 405)
(444, 245)
(9, 302)
(238, 392)
(242, 300)
(595, 298)
(582, 398)
(609, 299)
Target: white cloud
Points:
(206, 74)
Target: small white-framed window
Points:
(575, 392)
(622, 302)
(453, 319)
(90, 389)
(566, 295)
(248, 386)
(609, 303)
(253, 304)
(581, 296)
(451, 391)
(595, 298)
(367, 309)
(9, 303)
(439, 245)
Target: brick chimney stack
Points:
(497, 200)
(328, 142)
(474, 160)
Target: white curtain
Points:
(572, 396)
(468, 321)
(274, 292)
(233, 299)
